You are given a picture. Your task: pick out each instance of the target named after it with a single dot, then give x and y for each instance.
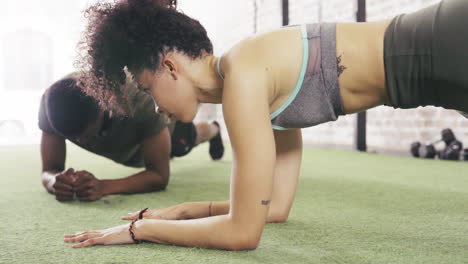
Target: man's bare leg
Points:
(205, 132)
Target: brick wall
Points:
(388, 129)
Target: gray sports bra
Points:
(316, 98)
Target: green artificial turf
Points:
(349, 208)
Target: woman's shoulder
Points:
(254, 51)
(263, 43)
(264, 56)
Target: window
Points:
(27, 60)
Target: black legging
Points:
(426, 57)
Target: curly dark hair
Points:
(133, 34)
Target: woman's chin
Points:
(184, 118)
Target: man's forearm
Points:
(145, 181)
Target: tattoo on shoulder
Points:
(341, 68)
(265, 202)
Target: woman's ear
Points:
(169, 65)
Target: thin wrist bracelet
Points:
(130, 229)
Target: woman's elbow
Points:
(243, 244)
(244, 239)
(278, 217)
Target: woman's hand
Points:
(111, 236)
(181, 211)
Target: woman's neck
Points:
(204, 76)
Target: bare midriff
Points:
(360, 47)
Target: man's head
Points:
(70, 111)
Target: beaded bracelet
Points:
(130, 229)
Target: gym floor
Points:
(350, 208)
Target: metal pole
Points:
(255, 6)
(361, 143)
(285, 12)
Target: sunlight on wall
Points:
(37, 47)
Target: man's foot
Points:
(216, 145)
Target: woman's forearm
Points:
(218, 232)
(219, 208)
(275, 214)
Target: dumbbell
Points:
(423, 151)
(448, 136)
(453, 146)
(452, 149)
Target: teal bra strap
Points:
(305, 58)
(219, 67)
(275, 127)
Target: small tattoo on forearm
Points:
(341, 68)
(265, 202)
